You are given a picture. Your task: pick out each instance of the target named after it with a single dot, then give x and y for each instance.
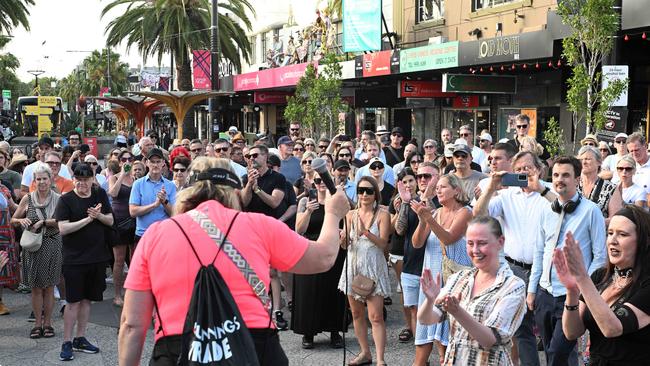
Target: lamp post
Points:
(36, 73)
(214, 65)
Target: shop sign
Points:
(270, 97)
(466, 101)
(616, 123)
(201, 67)
(270, 78)
(92, 144)
(347, 69)
(635, 14)
(376, 64)
(613, 73)
(421, 89)
(484, 84)
(430, 57)
(361, 25)
(524, 46)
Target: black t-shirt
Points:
(387, 194)
(414, 257)
(629, 349)
(392, 159)
(290, 199)
(87, 245)
(268, 182)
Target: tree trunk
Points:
(184, 75)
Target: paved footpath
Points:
(16, 349)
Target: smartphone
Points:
(313, 194)
(514, 180)
(127, 168)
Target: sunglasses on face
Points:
(603, 150)
(344, 155)
(415, 162)
(318, 180)
(298, 149)
(428, 146)
(196, 150)
(365, 190)
(322, 146)
(306, 162)
(179, 170)
(589, 144)
(521, 126)
(254, 156)
(294, 129)
(460, 155)
(53, 163)
(625, 168)
(221, 149)
(91, 162)
(620, 141)
(426, 176)
(310, 145)
(466, 134)
(124, 160)
(376, 166)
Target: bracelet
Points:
(546, 190)
(571, 307)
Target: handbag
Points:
(31, 241)
(126, 224)
(361, 285)
(449, 267)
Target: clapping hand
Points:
(161, 195)
(562, 270)
(94, 212)
(430, 190)
(573, 257)
(404, 193)
(430, 286)
(451, 304)
(422, 210)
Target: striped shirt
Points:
(500, 307)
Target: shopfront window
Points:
(478, 119)
(430, 10)
(485, 4)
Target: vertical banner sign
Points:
(6, 99)
(45, 108)
(201, 69)
(361, 25)
(612, 73)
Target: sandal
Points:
(36, 333)
(405, 336)
(48, 332)
(360, 361)
(118, 303)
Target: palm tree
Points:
(96, 66)
(14, 13)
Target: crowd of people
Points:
(498, 247)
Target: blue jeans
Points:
(524, 336)
(548, 315)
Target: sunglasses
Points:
(179, 170)
(294, 129)
(521, 126)
(603, 150)
(429, 146)
(92, 162)
(53, 163)
(460, 155)
(298, 149)
(376, 166)
(426, 176)
(322, 146)
(196, 150)
(124, 160)
(254, 156)
(318, 180)
(221, 149)
(365, 190)
(589, 144)
(625, 168)
(304, 162)
(345, 155)
(310, 145)
(466, 134)
(415, 162)
(621, 141)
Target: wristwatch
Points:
(166, 201)
(545, 191)
(257, 190)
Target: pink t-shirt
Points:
(165, 264)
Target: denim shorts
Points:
(410, 289)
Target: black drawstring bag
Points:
(214, 332)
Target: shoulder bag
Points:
(449, 267)
(32, 241)
(361, 285)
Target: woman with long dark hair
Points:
(614, 302)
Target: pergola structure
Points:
(122, 117)
(180, 102)
(139, 107)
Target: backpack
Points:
(214, 332)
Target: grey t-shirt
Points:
(12, 177)
(471, 182)
(291, 170)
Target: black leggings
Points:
(267, 346)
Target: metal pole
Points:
(108, 69)
(214, 66)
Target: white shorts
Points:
(394, 258)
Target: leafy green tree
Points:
(14, 13)
(317, 101)
(157, 27)
(554, 137)
(95, 73)
(594, 24)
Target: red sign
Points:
(201, 67)
(421, 89)
(466, 101)
(92, 143)
(271, 78)
(266, 97)
(376, 63)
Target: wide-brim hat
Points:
(18, 159)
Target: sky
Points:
(58, 26)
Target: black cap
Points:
(83, 170)
(285, 140)
(274, 160)
(341, 164)
(155, 152)
(84, 148)
(397, 130)
(46, 140)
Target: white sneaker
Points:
(109, 279)
(57, 294)
(399, 288)
(126, 268)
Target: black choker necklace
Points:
(623, 273)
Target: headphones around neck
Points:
(568, 207)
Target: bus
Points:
(39, 114)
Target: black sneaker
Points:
(307, 342)
(280, 322)
(81, 344)
(336, 341)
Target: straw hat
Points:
(18, 159)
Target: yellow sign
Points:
(47, 101)
(32, 110)
(45, 110)
(44, 125)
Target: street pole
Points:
(214, 66)
(108, 68)
(36, 73)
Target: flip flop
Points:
(360, 362)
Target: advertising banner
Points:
(361, 25)
(376, 64)
(201, 69)
(430, 57)
(270, 97)
(271, 78)
(513, 48)
(421, 89)
(484, 84)
(92, 143)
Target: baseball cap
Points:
(460, 142)
(621, 135)
(341, 164)
(46, 141)
(83, 170)
(375, 160)
(449, 150)
(232, 129)
(381, 130)
(155, 152)
(462, 148)
(486, 136)
(397, 130)
(285, 140)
